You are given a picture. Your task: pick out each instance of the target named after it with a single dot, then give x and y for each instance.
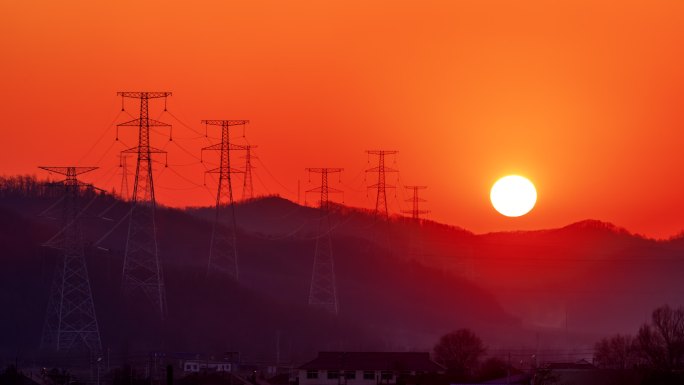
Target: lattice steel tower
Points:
(415, 202)
(381, 186)
(123, 192)
(415, 248)
(248, 185)
(223, 247)
(71, 323)
(323, 290)
(142, 268)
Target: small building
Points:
(569, 366)
(366, 368)
(193, 363)
(584, 373)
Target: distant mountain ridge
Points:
(385, 303)
(401, 283)
(593, 265)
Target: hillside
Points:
(587, 279)
(401, 284)
(385, 302)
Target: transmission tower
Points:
(415, 248)
(142, 268)
(223, 248)
(124, 193)
(323, 290)
(381, 186)
(248, 185)
(70, 322)
(415, 201)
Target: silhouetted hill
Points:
(385, 302)
(401, 284)
(588, 278)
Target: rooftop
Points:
(396, 361)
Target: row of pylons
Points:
(71, 322)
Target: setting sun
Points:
(513, 195)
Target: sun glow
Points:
(513, 195)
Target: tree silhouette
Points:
(617, 352)
(662, 342)
(460, 351)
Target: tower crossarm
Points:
(219, 170)
(377, 185)
(218, 122)
(331, 190)
(383, 169)
(137, 122)
(136, 149)
(230, 147)
(322, 170)
(68, 171)
(382, 152)
(140, 95)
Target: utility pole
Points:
(416, 200)
(142, 268)
(223, 248)
(323, 290)
(248, 185)
(381, 186)
(70, 322)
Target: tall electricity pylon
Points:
(381, 186)
(124, 193)
(142, 268)
(248, 185)
(415, 201)
(415, 248)
(223, 247)
(70, 322)
(323, 290)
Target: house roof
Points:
(522, 378)
(581, 364)
(222, 356)
(514, 379)
(397, 361)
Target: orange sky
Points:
(583, 97)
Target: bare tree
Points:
(617, 352)
(662, 342)
(460, 351)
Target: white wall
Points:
(358, 380)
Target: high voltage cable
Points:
(192, 182)
(272, 176)
(187, 151)
(104, 133)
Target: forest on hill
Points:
(386, 302)
(401, 283)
